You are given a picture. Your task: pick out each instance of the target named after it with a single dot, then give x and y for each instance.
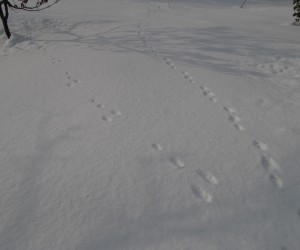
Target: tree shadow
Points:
(217, 48)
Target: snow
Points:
(126, 124)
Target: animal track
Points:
(276, 180)
(191, 80)
(269, 164)
(239, 127)
(186, 75)
(98, 105)
(272, 169)
(177, 162)
(298, 213)
(113, 112)
(157, 147)
(55, 60)
(201, 194)
(208, 93)
(116, 112)
(233, 117)
(207, 176)
(168, 62)
(260, 145)
(107, 118)
(69, 77)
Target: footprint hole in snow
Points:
(230, 110)
(298, 213)
(177, 162)
(212, 99)
(276, 180)
(201, 194)
(157, 147)
(234, 118)
(107, 118)
(207, 176)
(116, 112)
(208, 93)
(205, 89)
(269, 163)
(260, 145)
(239, 127)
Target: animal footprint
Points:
(260, 145)
(269, 163)
(276, 180)
(107, 118)
(97, 105)
(230, 110)
(201, 194)
(186, 75)
(204, 88)
(55, 60)
(191, 80)
(173, 66)
(234, 118)
(239, 127)
(208, 93)
(207, 176)
(213, 99)
(157, 147)
(116, 112)
(177, 162)
(273, 170)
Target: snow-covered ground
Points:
(129, 125)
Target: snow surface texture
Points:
(129, 125)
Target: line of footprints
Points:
(112, 113)
(73, 82)
(208, 177)
(267, 162)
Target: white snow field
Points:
(129, 125)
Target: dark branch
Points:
(4, 17)
(21, 6)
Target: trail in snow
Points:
(267, 161)
(135, 177)
(177, 161)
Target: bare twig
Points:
(243, 4)
(5, 4)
